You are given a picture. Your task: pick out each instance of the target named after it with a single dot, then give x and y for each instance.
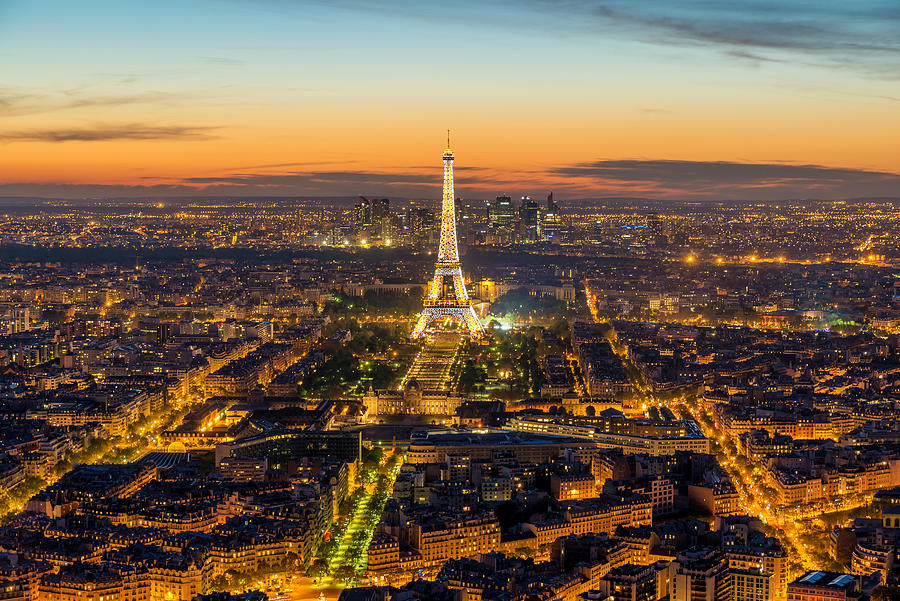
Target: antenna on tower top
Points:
(448, 138)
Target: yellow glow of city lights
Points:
(459, 308)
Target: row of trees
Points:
(362, 510)
(372, 304)
(12, 500)
(243, 580)
(327, 549)
(376, 355)
(119, 449)
(359, 542)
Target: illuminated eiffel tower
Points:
(447, 296)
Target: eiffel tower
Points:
(447, 296)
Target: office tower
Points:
(552, 207)
(380, 208)
(531, 218)
(501, 212)
(552, 225)
(654, 232)
(419, 221)
(362, 214)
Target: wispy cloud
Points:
(222, 61)
(294, 164)
(102, 133)
(860, 35)
(15, 103)
(752, 57)
(662, 179)
(314, 177)
(10, 100)
(728, 179)
(863, 35)
(410, 182)
(424, 177)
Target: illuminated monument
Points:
(447, 295)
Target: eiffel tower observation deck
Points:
(447, 296)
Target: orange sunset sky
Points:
(748, 99)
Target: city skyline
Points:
(746, 100)
(640, 341)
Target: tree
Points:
(471, 376)
(524, 552)
(372, 457)
(383, 375)
(886, 593)
(62, 467)
(318, 568)
(560, 327)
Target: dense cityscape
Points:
(628, 330)
(381, 399)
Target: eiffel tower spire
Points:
(447, 296)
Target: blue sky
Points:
(140, 98)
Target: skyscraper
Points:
(419, 221)
(552, 207)
(501, 212)
(552, 226)
(362, 214)
(531, 219)
(380, 208)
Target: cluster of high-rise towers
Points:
(447, 296)
(527, 222)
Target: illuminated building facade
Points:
(412, 400)
(501, 213)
